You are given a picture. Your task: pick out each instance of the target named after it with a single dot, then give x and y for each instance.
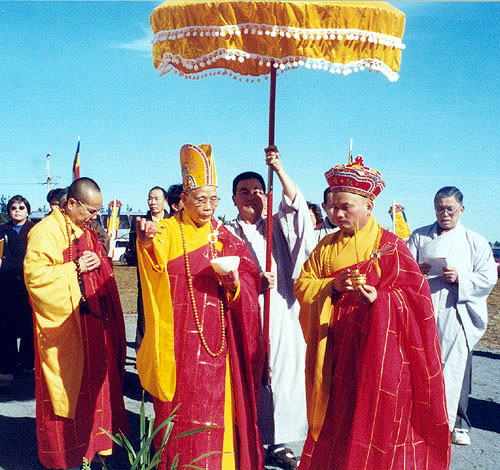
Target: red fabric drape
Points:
(63, 442)
(200, 388)
(387, 406)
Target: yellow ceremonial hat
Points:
(198, 167)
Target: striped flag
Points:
(76, 162)
(400, 224)
(113, 224)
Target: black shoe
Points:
(282, 458)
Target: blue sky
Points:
(70, 69)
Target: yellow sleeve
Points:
(52, 284)
(314, 294)
(55, 294)
(156, 356)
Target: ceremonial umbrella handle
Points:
(269, 245)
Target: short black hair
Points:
(326, 192)
(248, 175)
(19, 198)
(174, 194)
(56, 193)
(316, 211)
(449, 191)
(161, 189)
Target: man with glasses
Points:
(79, 331)
(282, 413)
(202, 348)
(461, 271)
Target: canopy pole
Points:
(269, 244)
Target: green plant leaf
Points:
(193, 431)
(175, 462)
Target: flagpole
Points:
(393, 216)
(111, 227)
(49, 179)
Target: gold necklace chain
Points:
(193, 302)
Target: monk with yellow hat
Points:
(374, 382)
(203, 349)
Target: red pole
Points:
(269, 245)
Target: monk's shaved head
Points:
(84, 201)
(83, 189)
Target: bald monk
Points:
(79, 333)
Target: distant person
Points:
(328, 225)
(11, 267)
(174, 199)
(202, 350)
(461, 271)
(282, 413)
(375, 390)
(80, 334)
(157, 200)
(315, 213)
(56, 198)
(19, 210)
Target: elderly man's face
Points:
(448, 212)
(200, 204)
(348, 208)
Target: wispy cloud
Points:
(142, 44)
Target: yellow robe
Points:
(339, 249)
(55, 295)
(156, 357)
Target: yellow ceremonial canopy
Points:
(197, 39)
(247, 39)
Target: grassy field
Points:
(126, 279)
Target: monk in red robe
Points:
(374, 382)
(80, 333)
(203, 347)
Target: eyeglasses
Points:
(20, 208)
(447, 210)
(91, 212)
(202, 201)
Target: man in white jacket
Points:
(293, 240)
(461, 272)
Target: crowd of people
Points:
(355, 341)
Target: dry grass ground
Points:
(126, 279)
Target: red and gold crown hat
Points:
(355, 178)
(198, 167)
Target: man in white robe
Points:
(461, 272)
(293, 240)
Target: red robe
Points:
(200, 378)
(386, 407)
(63, 442)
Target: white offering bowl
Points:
(225, 264)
